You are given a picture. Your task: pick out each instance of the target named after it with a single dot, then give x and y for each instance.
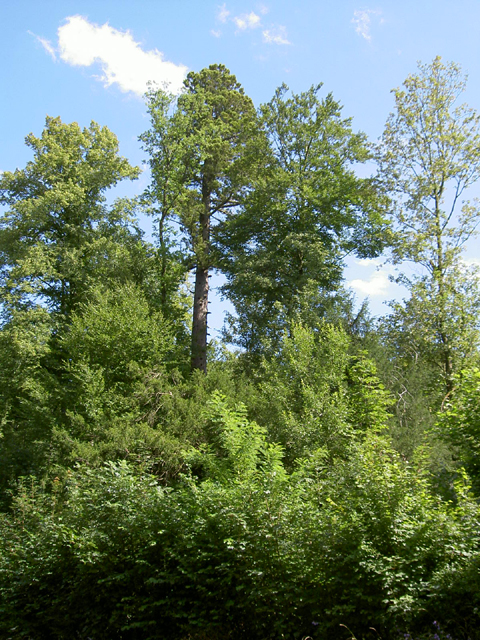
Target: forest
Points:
(312, 475)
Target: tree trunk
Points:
(199, 325)
(439, 276)
(200, 299)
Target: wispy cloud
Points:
(122, 60)
(46, 44)
(271, 33)
(362, 19)
(471, 262)
(247, 21)
(223, 13)
(276, 35)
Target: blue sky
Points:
(87, 61)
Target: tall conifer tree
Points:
(202, 149)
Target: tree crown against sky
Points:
(285, 249)
(56, 214)
(203, 156)
(429, 157)
(94, 61)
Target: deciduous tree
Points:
(284, 252)
(57, 228)
(59, 241)
(429, 156)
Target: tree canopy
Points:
(57, 228)
(309, 210)
(202, 157)
(429, 156)
(321, 481)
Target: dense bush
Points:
(240, 548)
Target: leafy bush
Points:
(314, 394)
(459, 423)
(239, 548)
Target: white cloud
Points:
(247, 21)
(46, 44)
(471, 262)
(223, 13)
(123, 61)
(377, 285)
(368, 262)
(215, 33)
(362, 21)
(277, 35)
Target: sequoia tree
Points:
(202, 153)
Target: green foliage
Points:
(428, 157)
(314, 395)
(459, 423)
(303, 395)
(413, 385)
(369, 403)
(57, 228)
(176, 404)
(244, 551)
(115, 329)
(284, 251)
(83, 333)
(238, 446)
(198, 138)
(203, 148)
(438, 326)
(117, 349)
(26, 389)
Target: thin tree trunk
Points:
(439, 275)
(163, 256)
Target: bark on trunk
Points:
(199, 326)
(200, 299)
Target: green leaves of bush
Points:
(238, 548)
